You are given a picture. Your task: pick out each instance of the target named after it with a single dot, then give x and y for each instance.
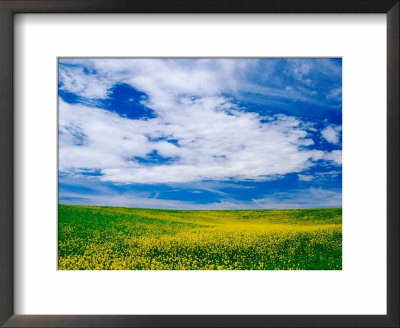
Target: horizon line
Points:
(222, 209)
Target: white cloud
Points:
(334, 156)
(306, 71)
(76, 81)
(302, 198)
(335, 94)
(301, 68)
(332, 133)
(305, 177)
(215, 139)
(163, 80)
(292, 199)
(323, 176)
(212, 144)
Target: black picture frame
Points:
(10, 7)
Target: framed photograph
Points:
(162, 133)
(199, 164)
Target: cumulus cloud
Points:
(209, 144)
(305, 177)
(75, 80)
(331, 133)
(162, 80)
(198, 133)
(334, 156)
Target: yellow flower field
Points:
(111, 238)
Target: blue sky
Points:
(201, 133)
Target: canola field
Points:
(112, 238)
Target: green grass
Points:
(115, 238)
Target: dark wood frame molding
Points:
(7, 10)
